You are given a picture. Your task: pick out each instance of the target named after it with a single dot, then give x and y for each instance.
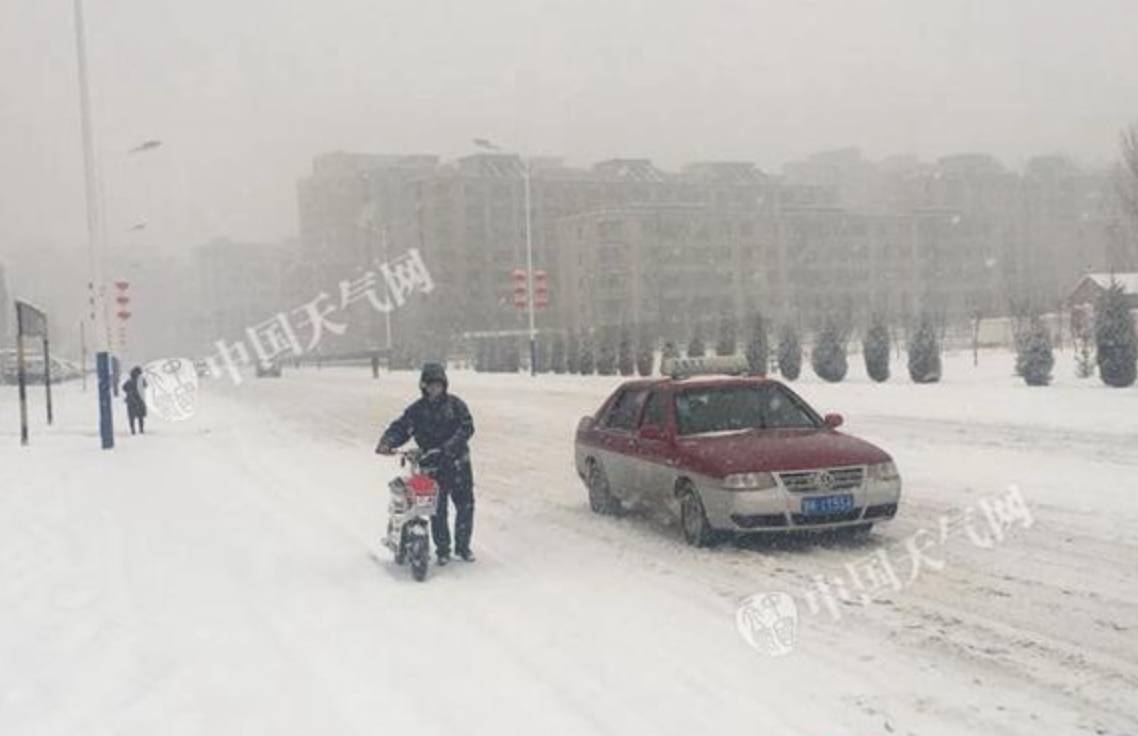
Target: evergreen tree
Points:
(573, 353)
(493, 355)
(544, 348)
(606, 354)
(479, 355)
(587, 360)
(557, 353)
(757, 348)
(924, 351)
(727, 342)
(828, 356)
(668, 351)
(1115, 341)
(1035, 359)
(789, 353)
(875, 349)
(1082, 334)
(644, 352)
(513, 356)
(696, 348)
(626, 358)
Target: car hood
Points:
(755, 451)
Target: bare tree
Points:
(1128, 194)
(1130, 171)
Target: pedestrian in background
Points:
(135, 404)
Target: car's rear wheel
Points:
(693, 519)
(601, 500)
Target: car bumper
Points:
(778, 510)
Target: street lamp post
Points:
(102, 358)
(527, 171)
(96, 236)
(529, 273)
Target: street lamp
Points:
(102, 357)
(95, 241)
(526, 172)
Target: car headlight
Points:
(750, 481)
(884, 471)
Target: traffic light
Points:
(540, 289)
(520, 289)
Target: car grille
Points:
(754, 521)
(804, 520)
(814, 481)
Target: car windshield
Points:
(740, 408)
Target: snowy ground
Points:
(214, 576)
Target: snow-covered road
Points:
(214, 576)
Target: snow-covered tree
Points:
(668, 351)
(789, 353)
(606, 353)
(758, 350)
(727, 340)
(513, 356)
(1115, 341)
(557, 353)
(696, 347)
(626, 358)
(479, 355)
(1082, 334)
(1034, 359)
(544, 348)
(924, 351)
(586, 360)
(645, 347)
(875, 349)
(828, 356)
(573, 352)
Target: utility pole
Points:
(529, 272)
(102, 361)
(387, 314)
(83, 352)
(527, 174)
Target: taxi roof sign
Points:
(732, 365)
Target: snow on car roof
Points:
(701, 381)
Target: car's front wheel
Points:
(693, 519)
(601, 500)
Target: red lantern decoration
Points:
(520, 288)
(540, 289)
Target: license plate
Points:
(828, 504)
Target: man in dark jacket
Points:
(135, 403)
(439, 420)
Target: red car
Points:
(733, 454)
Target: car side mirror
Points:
(833, 421)
(652, 432)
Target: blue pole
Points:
(106, 418)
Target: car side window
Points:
(782, 412)
(622, 415)
(655, 411)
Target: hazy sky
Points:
(245, 92)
